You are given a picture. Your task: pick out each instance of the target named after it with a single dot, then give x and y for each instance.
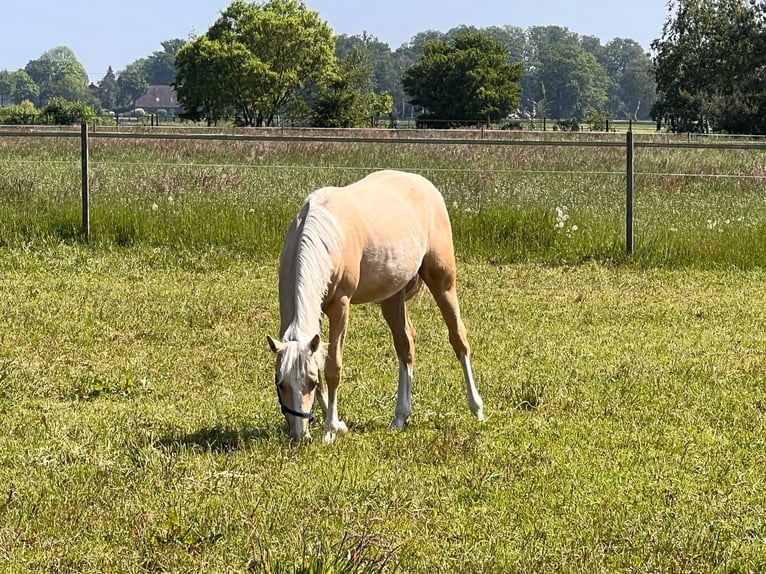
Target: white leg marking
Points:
(474, 400)
(332, 424)
(403, 397)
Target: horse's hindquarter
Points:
(387, 220)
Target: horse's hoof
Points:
(397, 424)
(328, 437)
(340, 427)
(480, 415)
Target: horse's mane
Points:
(319, 243)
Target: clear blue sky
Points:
(104, 33)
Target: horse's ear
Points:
(314, 344)
(275, 346)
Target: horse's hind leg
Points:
(441, 282)
(395, 312)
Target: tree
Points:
(465, 81)
(348, 100)
(196, 65)
(58, 73)
(240, 80)
(386, 74)
(159, 69)
(23, 113)
(131, 85)
(631, 81)
(563, 79)
(26, 89)
(132, 82)
(271, 55)
(710, 67)
(7, 86)
(107, 90)
(343, 102)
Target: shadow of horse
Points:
(220, 440)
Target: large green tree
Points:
(386, 75)
(58, 72)
(219, 78)
(25, 88)
(159, 69)
(464, 81)
(710, 67)
(627, 90)
(349, 100)
(563, 79)
(269, 57)
(631, 80)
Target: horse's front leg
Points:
(337, 313)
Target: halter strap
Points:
(287, 410)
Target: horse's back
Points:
(390, 205)
(392, 221)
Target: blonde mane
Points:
(319, 245)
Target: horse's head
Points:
(298, 369)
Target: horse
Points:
(377, 240)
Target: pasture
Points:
(140, 430)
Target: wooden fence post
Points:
(85, 184)
(629, 192)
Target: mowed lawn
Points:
(140, 431)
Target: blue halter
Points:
(288, 411)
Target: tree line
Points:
(260, 61)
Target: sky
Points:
(104, 34)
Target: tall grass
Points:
(508, 203)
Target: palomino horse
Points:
(373, 241)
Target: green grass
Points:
(139, 427)
(140, 432)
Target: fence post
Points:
(85, 184)
(629, 192)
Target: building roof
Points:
(158, 97)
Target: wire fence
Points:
(627, 142)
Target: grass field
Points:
(140, 430)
